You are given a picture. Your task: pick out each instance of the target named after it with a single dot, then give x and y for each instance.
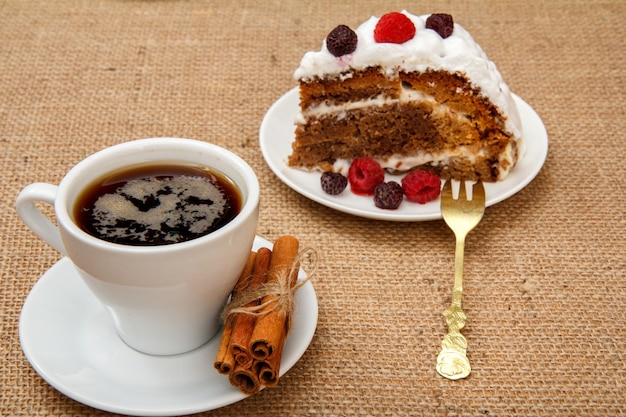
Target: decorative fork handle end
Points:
(452, 362)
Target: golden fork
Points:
(461, 216)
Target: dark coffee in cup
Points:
(148, 205)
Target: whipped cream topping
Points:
(458, 53)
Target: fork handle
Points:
(452, 362)
(459, 255)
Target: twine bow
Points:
(277, 294)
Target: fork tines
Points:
(477, 189)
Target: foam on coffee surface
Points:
(170, 210)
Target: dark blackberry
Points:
(333, 183)
(441, 23)
(341, 41)
(388, 195)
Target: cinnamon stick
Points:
(224, 360)
(245, 379)
(244, 323)
(270, 329)
(268, 370)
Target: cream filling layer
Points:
(341, 110)
(403, 163)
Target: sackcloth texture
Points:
(545, 285)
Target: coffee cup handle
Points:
(34, 218)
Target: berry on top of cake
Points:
(411, 92)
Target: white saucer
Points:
(277, 133)
(70, 341)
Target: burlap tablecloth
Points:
(545, 285)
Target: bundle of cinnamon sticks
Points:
(255, 330)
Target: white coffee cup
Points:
(163, 299)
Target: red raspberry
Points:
(394, 27)
(341, 41)
(441, 23)
(364, 175)
(388, 195)
(421, 186)
(333, 183)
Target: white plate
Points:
(277, 133)
(70, 341)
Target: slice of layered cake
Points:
(412, 92)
